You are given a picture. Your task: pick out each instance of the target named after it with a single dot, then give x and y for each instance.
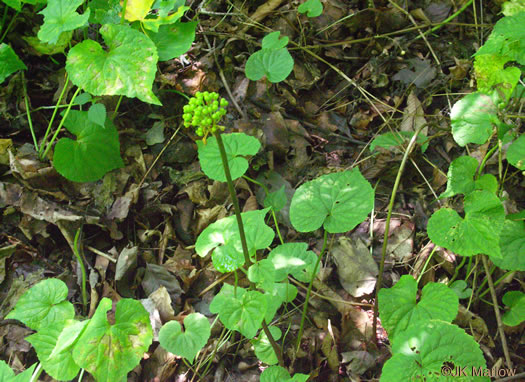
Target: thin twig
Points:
(496, 312)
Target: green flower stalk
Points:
(204, 111)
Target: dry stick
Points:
(240, 224)
(496, 311)
(411, 145)
(262, 11)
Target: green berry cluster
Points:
(204, 111)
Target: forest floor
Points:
(360, 71)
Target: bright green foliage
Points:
(512, 246)
(512, 7)
(105, 11)
(460, 287)
(9, 62)
(137, 10)
(338, 201)
(262, 273)
(54, 344)
(97, 114)
(108, 351)
(242, 312)
(461, 178)
(236, 145)
(507, 39)
(95, 152)
(174, 40)
(263, 348)
(61, 16)
(273, 60)
(312, 8)
(515, 300)
(188, 343)
(399, 310)
(472, 119)
(204, 111)
(122, 70)
(395, 139)
(477, 233)
(8, 375)
(276, 295)
(224, 239)
(45, 303)
(276, 200)
(516, 153)
(293, 259)
(280, 374)
(420, 352)
(492, 74)
(155, 23)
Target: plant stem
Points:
(82, 269)
(36, 373)
(9, 26)
(496, 312)
(53, 116)
(408, 150)
(60, 124)
(116, 108)
(309, 290)
(235, 201)
(237, 208)
(29, 120)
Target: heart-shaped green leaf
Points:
(478, 232)
(472, 119)
(515, 300)
(293, 259)
(174, 40)
(276, 200)
(491, 74)
(224, 239)
(425, 351)
(188, 343)
(45, 303)
(61, 16)
(97, 114)
(275, 64)
(243, 312)
(137, 10)
(460, 178)
(109, 351)
(275, 295)
(122, 70)
(399, 310)
(236, 145)
(338, 201)
(512, 246)
(460, 287)
(273, 41)
(262, 273)
(58, 362)
(95, 152)
(9, 62)
(312, 8)
(263, 348)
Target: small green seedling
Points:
(186, 344)
(273, 61)
(515, 300)
(312, 8)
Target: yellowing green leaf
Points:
(137, 9)
(122, 70)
